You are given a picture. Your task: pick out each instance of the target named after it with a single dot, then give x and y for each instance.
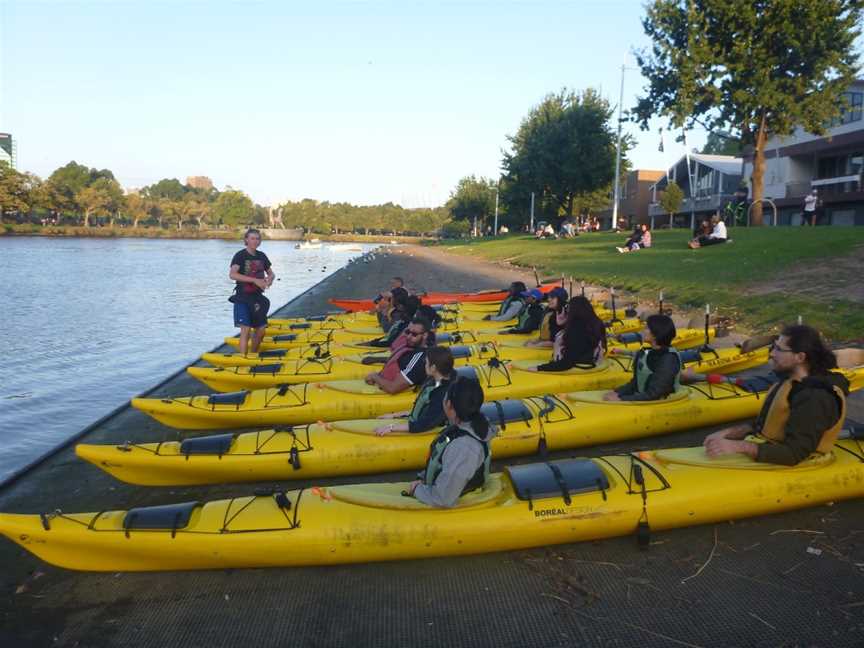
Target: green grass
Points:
(719, 275)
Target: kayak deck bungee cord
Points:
(308, 402)
(531, 505)
(533, 425)
(326, 369)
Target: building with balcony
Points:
(634, 198)
(830, 163)
(714, 180)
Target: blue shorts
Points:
(253, 315)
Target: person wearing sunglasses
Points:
(801, 415)
(406, 366)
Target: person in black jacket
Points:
(802, 414)
(656, 369)
(428, 410)
(581, 341)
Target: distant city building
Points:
(199, 182)
(831, 163)
(634, 198)
(7, 149)
(715, 178)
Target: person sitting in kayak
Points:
(656, 369)
(555, 305)
(406, 366)
(530, 316)
(384, 311)
(581, 340)
(459, 456)
(428, 410)
(403, 310)
(511, 305)
(802, 414)
(395, 282)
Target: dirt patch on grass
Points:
(822, 280)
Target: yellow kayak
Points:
(354, 399)
(352, 448)
(326, 369)
(526, 506)
(356, 335)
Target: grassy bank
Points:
(754, 280)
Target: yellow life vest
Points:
(545, 327)
(774, 424)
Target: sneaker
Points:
(621, 250)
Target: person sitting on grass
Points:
(555, 309)
(641, 238)
(717, 235)
(459, 457)
(511, 305)
(406, 366)
(428, 409)
(581, 341)
(801, 415)
(529, 318)
(656, 368)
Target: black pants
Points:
(705, 240)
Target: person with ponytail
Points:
(459, 456)
(801, 415)
(581, 340)
(656, 368)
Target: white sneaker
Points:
(621, 250)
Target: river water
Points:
(88, 323)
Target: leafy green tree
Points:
(752, 67)
(233, 208)
(671, 199)
(564, 150)
(14, 190)
(722, 143)
(473, 198)
(137, 208)
(101, 198)
(167, 188)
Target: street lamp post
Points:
(618, 151)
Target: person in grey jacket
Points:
(511, 305)
(459, 456)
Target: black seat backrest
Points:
(690, 355)
(229, 398)
(275, 353)
(461, 351)
(299, 326)
(265, 368)
(505, 411)
(316, 318)
(287, 337)
(626, 338)
(468, 372)
(215, 444)
(169, 517)
(443, 337)
(538, 480)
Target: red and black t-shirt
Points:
(252, 266)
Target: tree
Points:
(102, 198)
(722, 143)
(167, 188)
(671, 199)
(14, 190)
(233, 208)
(137, 208)
(752, 67)
(472, 198)
(564, 150)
